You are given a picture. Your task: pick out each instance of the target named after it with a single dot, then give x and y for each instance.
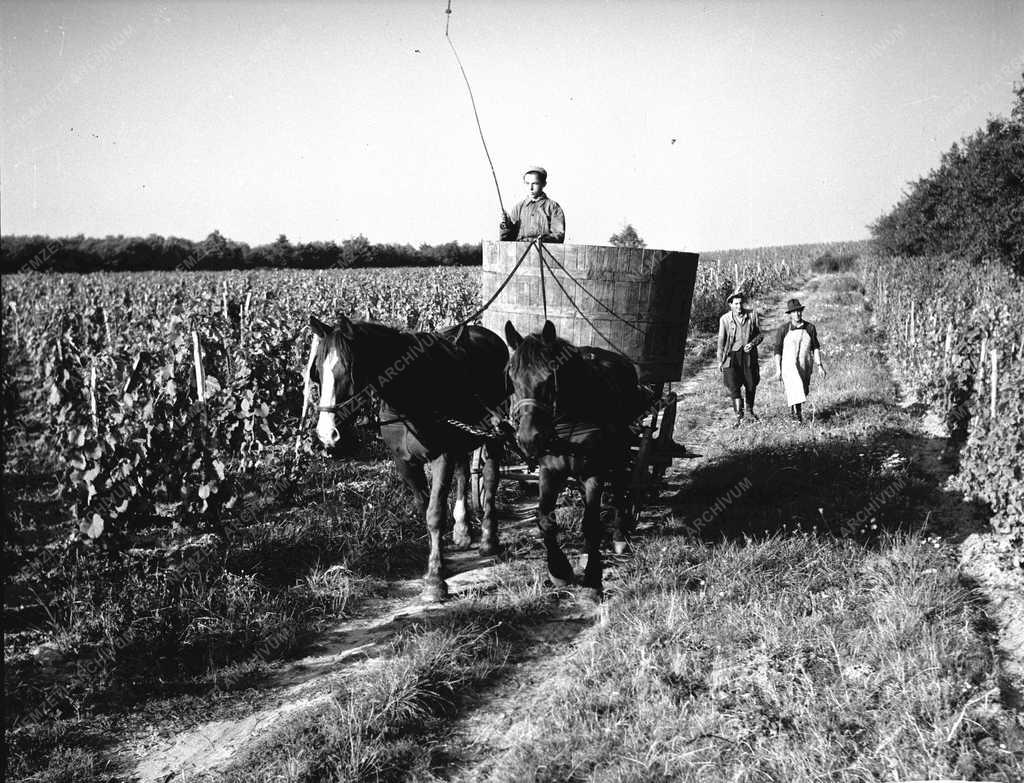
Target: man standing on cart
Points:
(534, 217)
(739, 334)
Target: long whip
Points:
(472, 100)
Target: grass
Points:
(128, 630)
(378, 726)
(813, 628)
(793, 658)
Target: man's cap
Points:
(792, 305)
(734, 294)
(537, 170)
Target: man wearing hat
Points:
(536, 216)
(739, 334)
(796, 345)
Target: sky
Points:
(705, 125)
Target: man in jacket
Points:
(739, 334)
(536, 216)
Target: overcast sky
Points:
(706, 125)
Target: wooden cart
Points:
(635, 301)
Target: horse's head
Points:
(533, 369)
(342, 385)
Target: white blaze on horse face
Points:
(325, 427)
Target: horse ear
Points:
(346, 328)
(512, 337)
(320, 329)
(548, 332)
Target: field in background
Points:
(113, 598)
(100, 367)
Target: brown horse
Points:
(574, 407)
(439, 392)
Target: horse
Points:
(572, 408)
(439, 394)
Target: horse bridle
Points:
(533, 402)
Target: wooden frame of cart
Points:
(635, 301)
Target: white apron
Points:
(796, 366)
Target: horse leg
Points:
(623, 521)
(489, 491)
(434, 588)
(551, 483)
(592, 534)
(412, 474)
(460, 531)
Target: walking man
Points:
(739, 334)
(796, 344)
(536, 216)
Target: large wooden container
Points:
(651, 290)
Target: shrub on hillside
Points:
(829, 263)
(972, 205)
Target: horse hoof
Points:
(489, 548)
(462, 543)
(559, 581)
(620, 547)
(434, 592)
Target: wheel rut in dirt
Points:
(306, 683)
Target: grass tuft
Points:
(379, 725)
(790, 658)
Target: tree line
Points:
(970, 207)
(216, 252)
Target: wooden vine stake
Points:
(131, 375)
(980, 375)
(307, 381)
(224, 299)
(106, 328)
(93, 410)
(913, 322)
(995, 381)
(244, 325)
(14, 322)
(948, 349)
(197, 360)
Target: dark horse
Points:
(574, 407)
(429, 385)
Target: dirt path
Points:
(498, 718)
(344, 650)
(306, 683)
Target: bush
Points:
(829, 263)
(972, 206)
(942, 319)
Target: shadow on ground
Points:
(851, 483)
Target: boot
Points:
(797, 413)
(750, 407)
(737, 405)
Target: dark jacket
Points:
(750, 332)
